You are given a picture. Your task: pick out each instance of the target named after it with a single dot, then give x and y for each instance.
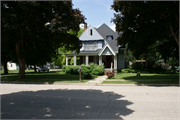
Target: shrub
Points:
(88, 76)
(110, 74)
(119, 70)
(98, 70)
(129, 70)
(91, 69)
(64, 69)
(75, 70)
(84, 69)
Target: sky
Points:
(96, 12)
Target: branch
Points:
(175, 37)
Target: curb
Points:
(172, 85)
(94, 84)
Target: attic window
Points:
(109, 37)
(91, 32)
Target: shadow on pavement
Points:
(64, 104)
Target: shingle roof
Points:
(104, 30)
(83, 52)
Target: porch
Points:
(109, 61)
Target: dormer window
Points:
(109, 37)
(91, 32)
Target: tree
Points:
(146, 23)
(60, 60)
(24, 26)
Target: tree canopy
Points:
(148, 25)
(25, 28)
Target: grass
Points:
(145, 76)
(131, 78)
(12, 71)
(53, 76)
(143, 82)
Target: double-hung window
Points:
(95, 45)
(85, 45)
(90, 45)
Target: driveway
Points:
(24, 101)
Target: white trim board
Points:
(104, 48)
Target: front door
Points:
(108, 61)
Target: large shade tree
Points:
(148, 25)
(24, 26)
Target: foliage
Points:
(99, 70)
(70, 69)
(88, 76)
(60, 59)
(29, 38)
(110, 74)
(129, 56)
(149, 25)
(90, 69)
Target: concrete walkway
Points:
(97, 80)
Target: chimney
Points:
(85, 26)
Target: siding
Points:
(99, 44)
(107, 52)
(120, 59)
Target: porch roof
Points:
(92, 52)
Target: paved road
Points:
(23, 101)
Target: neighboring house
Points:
(99, 46)
(12, 66)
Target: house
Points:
(100, 47)
(12, 66)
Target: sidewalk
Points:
(97, 80)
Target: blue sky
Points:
(96, 12)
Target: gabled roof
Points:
(104, 30)
(85, 36)
(105, 47)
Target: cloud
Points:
(113, 27)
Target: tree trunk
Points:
(22, 68)
(5, 68)
(35, 70)
(21, 62)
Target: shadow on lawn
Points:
(64, 104)
(42, 75)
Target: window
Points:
(109, 37)
(91, 32)
(85, 46)
(95, 45)
(90, 45)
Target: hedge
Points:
(92, 68)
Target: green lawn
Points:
(11, 71)
(145, 76)
(53, 76)
(131, 78)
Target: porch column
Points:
(74, 60)
(95, 59)
(100, 60)
(87, 60)
(115, 62)
(66, 61)
(83, 60)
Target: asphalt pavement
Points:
(87, 101)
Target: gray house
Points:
(100, 47)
